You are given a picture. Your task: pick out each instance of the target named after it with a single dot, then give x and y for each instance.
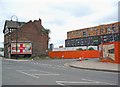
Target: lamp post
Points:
(113, 40)
(14, 16)
(102, 41)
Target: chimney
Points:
(37, 22)
(40, 21)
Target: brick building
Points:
(93, 35)
(32, 32)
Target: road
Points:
(52, 72)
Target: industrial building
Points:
(25, 38)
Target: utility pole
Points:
(16, 33)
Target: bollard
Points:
(80, 59)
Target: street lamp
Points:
(102, 41)
(14, 16)
(113, 40)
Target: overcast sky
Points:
(60, 16)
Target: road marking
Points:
(46, 74)
(99, 82)
(61, 84)
(50, 65)
(73, 82)
(28, 70)
(27, 73)
(86, 81)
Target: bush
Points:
(79, 49)
(91, 48)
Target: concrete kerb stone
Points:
(82, 66)
(94, 69)
(15, 59)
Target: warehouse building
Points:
(31, 38)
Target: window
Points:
(77, 34)
(111, 51)
(84, 33)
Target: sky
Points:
(60, 16)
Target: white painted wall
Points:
(73, 48)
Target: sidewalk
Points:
(95, 65)
(14, 59)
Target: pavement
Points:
(15, 59)
(94, 64)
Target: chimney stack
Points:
(37, 22)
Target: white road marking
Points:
(88, 80)
(99, 82)
(27, 73)
(85, 81)
(73, 82)
(28, 70)
(61, 84)
(50, 65)
(40, 73)
(46, 74)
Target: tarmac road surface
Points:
(53, 72)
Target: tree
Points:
(47, 31)
(1, 49)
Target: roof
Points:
(94, 27)
(12, 24)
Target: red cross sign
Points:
(21, 48)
